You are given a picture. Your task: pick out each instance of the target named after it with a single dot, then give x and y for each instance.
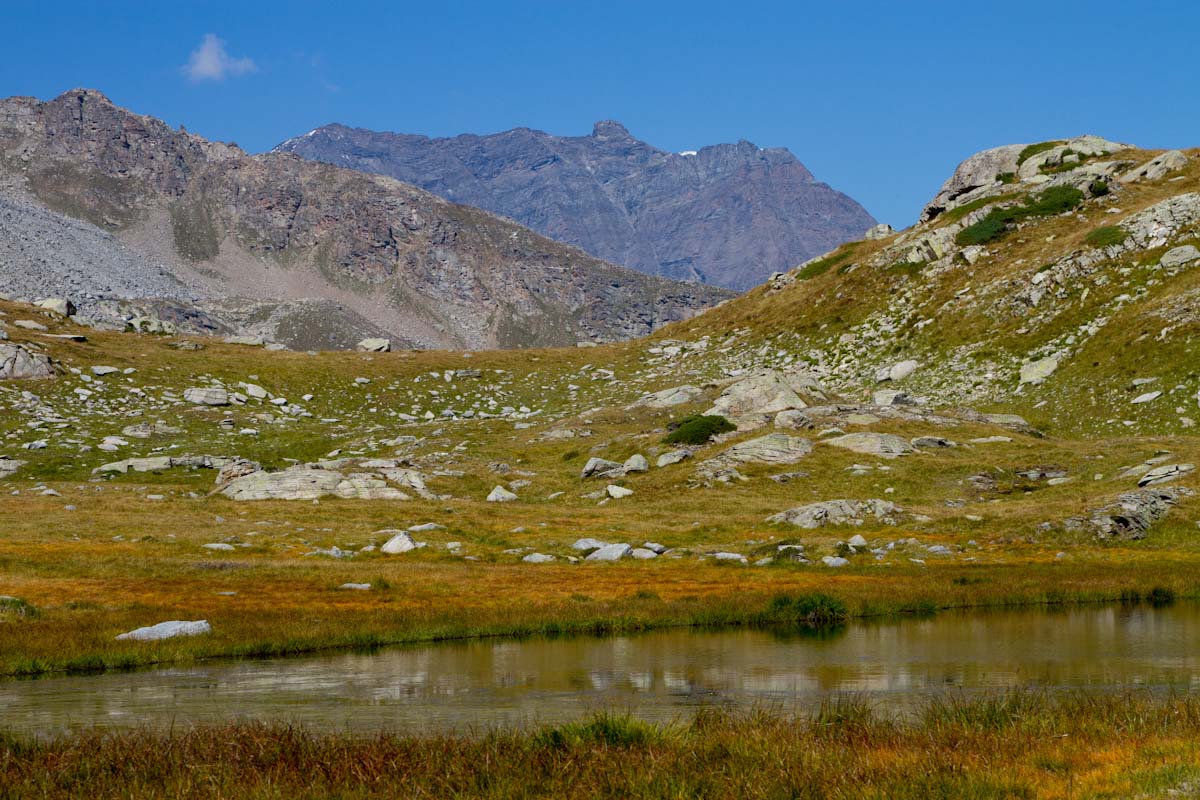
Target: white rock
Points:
(1146, 398)
(218, 546)
(835, 561)
(501, 495)
(1037, 371)
(374, 345)
(538, 558)
(617, 492)
(361, 587)
(610, 552)
(400, 542)
(168, 630)
(207, 396)
(642, 553)
(636, 463)
(588, 544)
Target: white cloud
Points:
(210, 62)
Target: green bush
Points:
(821, 266)
(1098, 187)
(987, 229)
(1054, 200)
(1034, 149)
(698, 429)
(910, 268)
(1107, 236)
(815, 609)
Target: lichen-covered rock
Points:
(296, 483)
(675, 396)
(774, 448)
(882, 445)
(1132, 515)
(838, 512)
(18, 362)
(769, 392)
(207, 396)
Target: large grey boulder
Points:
(1036, 372)
(897, 372)
(979, 170)
(501, 495)
(58, 305)
(1178, 256)
(399, 542)
(882, 445)
(1165, 474)
(1157, 167)
(602, 468)
(768, 392)
(18, 363)
(774, 448)
(296, 483)
(168, 630)
(1132, 515)
(838, 512)
(610, 552)
(588, 544)
(374, 345)
(675, 396)
(207, 396)
(636, 463)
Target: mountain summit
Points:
(729, 214)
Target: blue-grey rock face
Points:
(730, 214)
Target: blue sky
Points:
(879, 99)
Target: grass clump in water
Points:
(698, 429)
(816, 609)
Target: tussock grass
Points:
(1005, 746)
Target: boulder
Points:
(501, 495)
(152, 464)
(610, 552)
(58, 305)
(100, 371)
(980, 170)
(793, 419)
(768, 392)
(152, 325)
(636, 463)
(1148, 397)
(774, 448)
(675, 396)
(673, 457)
(835, 561)
(837, 512)
(374, 345)
(1037, 371)
(882, 445)
(617, 492)
(538, 558)
(1178, 256)
(246, 341)
(880, 231)
(367, 486)
(18, 363)
(295, 483)
(207, 396)
(642, 554)
(897, 372)
(168, 630)
(1157, 167)
(724, 556)
(1165, 474)
(1132, 515)
(588, 544)
(399, 542)
(602, 468)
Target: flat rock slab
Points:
(18, 363)
(168, 630)
(610, 552)
(838, 512)
(882, 445)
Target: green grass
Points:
(1052, 201)
(1034, 149)
(1018, 745)
(823, 265)
(1107, 236)
(698, 429)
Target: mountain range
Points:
(131, 216)
(728, 215)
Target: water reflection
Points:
(659, 676)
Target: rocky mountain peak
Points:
(726, 214)
(610, 129)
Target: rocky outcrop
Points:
(838, 512)
(774, 448)
(415, 267)
(19, 362)
(1132, 515)
(730, 214)
(767, 393)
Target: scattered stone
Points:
(835, 561)
(501, 495)
(223, 546)
(538, 558)
(602, 468)
(588, 544)
(723, 556)
(360, 587)
(932, 442)
(675, 396)
(1148, 397)
(642, 553)
(636, 463)
(897, 372)
(673, 457)
(58, 305)
(617, 492)
(1178, 256)
(1037, 371)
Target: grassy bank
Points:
(287, 612)
(1012, 746)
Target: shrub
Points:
(823, 265)
(988, 229)
(1160, 596)
(816, 609)
(606, 729)
(698, 429)
(1098, 187)
(1054, 200)
(1106, 236)
(1034, 149)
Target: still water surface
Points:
(660, 676)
